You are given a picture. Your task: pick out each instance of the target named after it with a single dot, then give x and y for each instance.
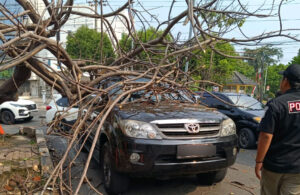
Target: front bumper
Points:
(159, 157)
(23, 113)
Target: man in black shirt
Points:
(278, 151)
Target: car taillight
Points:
(48, 107)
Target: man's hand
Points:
(258, 167)
(264, 142)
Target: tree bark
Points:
(9, 89)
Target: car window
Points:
(63, 102)
(246, 102)
(211, 101)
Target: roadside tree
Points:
(218, 66)
(262, 58)
(273, 79)
(85, 44)
(143, 36)
(296, 59)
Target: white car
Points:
(60, 107)
(11, 111)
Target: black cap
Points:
(292, 73)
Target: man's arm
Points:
(264, 142)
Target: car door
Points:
(63, 106)
(227, 109)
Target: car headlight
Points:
(139, 129)
(228, 128)
(257, 119)
(17, 105)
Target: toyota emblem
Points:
(192, 127)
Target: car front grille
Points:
(31, 107)
(178, 130)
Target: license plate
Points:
(195, 151)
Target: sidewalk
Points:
(22, 163)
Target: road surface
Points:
(240, 179)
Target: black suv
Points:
(169, 138)
(244, 110)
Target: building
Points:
(239, 83)
(37, 85)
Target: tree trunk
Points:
(9, 89)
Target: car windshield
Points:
(246, 102)
(178, 95)
(146, 95)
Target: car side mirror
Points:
(223, 107)
(197, 99)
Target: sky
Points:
(253, 26)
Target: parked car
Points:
(244, 110)
(174, 137)
(60, 106)
(12, 111)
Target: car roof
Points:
(233, 94)
(223, 93)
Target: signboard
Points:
(215, 89)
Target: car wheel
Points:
(114, 182)
(81, 139)
(212, 177)
(63, 126)
(7, 117)
(246, 138)
(28, 119)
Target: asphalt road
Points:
(240, 179)
(36, 122)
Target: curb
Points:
(46, 161)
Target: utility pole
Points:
(186, 68)
(132, 44)
(96, 11)
(266, 75)
(132, 15)
(262, 77)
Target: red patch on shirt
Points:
(294, 106)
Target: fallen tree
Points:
(163, 61)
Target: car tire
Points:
(114, 182)
(84, 150)
(246, 138)
(28, 119)
(212, 177)
(62, 126)
(7, 117)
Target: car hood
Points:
(259, 113)
(148, 112)
(20, 102)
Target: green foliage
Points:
(125, 42)
(221, 20)
(296, 59)
(5, 74)
(273, 79)
(265, 55)
(221, 68)
(85, 44)
(145, 36)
